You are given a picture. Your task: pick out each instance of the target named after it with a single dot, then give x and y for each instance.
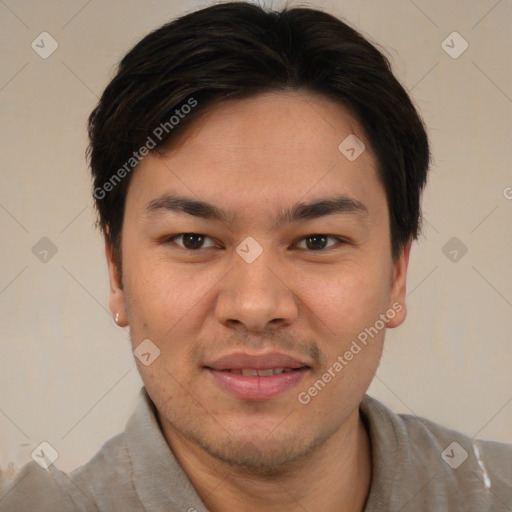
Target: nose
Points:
(256, 296)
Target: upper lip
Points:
(241, 361)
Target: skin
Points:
(253, 158)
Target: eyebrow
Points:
(340, 204)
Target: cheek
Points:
(163, 292)
(166, 305)
(347, 299)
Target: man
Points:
(258, 178)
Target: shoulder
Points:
(103, 483)
(439, 466)
(113, 453)
(456, 448)
(106, 479)
(39, 490)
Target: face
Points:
(269, 303)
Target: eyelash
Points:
(341, 241)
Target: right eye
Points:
(190, 241)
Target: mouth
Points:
(256, 377)
(253, 372)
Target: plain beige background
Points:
(67, 374)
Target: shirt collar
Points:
(157, 476)
(379, 424)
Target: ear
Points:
(398, 287)
(116, 300)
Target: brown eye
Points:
(190, 241)
(318, 242)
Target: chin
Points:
(262, 456)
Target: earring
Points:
(116, 319)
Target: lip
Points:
(239, 361)
(256, 388)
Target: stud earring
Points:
(116, 319)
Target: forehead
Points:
(284, 125)
(254, 152)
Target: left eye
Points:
(195, 241)
(318, 242)
(191, 241)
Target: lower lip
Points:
(256, 388)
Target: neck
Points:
(335, 476)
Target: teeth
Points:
(252, 372)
